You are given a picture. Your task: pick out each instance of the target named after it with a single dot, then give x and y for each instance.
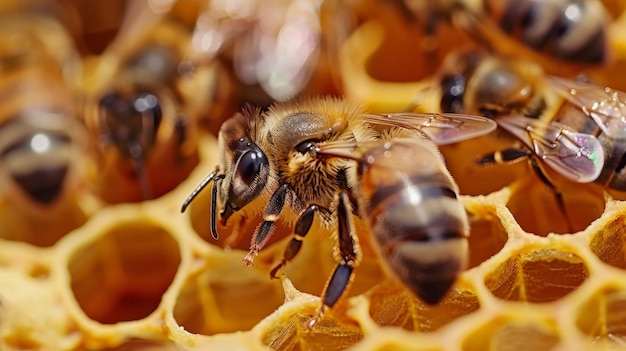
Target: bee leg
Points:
(506, 156)
(303, 225)
(264, 231)
(349, 257)
(513, 155)
(557, 194)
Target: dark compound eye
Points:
(453, 90)
(305, 146)
(249, 167)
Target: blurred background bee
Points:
(573, 128)
(565, 37)
(328, 159)
(144, 102)
(41, 138)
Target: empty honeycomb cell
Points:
(536, 209)
(226, 297)
(122, 275)
(393, 305)
(418, 59)
(487, 237)
(506, 333)
(40, 228)
(608, 243)
(538, 275)
(603, 316)
(328, 334)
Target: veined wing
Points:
(576, 156)
(441, 128)
(606, 106)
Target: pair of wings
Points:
(440, 128)
(577, 156)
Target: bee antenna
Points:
(197, 190)
(214, 207)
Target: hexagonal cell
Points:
(328, 334)
(394, 60)
(603, 316)
(487, 238)
(226, 297)
(393, 305)
(540, 275)
(511, 333)
(123, 274)
(609, 243)
(39, 228)
(536, 210)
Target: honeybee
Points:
(553, 32)
(40, 136)
(144, 107)
(568, 30)
(328, 158)
(576, 129)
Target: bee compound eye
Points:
(249, 178)
(249, 167)
(453, 90)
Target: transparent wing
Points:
(344, 149)
(606, 106)
(576, 156)
(441, 128)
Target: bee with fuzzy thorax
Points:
(328, 158)
(144, 102)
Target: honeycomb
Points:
(139, 275)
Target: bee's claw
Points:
(248, 260)
(313, 321)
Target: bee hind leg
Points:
(555, 191)
(349, 258)
(506, 156)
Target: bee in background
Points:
(143, 105)
(565, 36)
(40, 134)
(573, 128)
(328, 158)
(569, 30)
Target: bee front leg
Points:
(303, 226)
(349, 257)
(264, 231)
